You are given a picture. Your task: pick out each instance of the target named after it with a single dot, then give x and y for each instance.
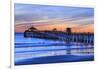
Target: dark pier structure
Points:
(67, 36)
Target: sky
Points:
(46, 17)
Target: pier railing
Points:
(63, 36)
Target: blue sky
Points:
(47, 15)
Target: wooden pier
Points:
(63, 36)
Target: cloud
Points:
(45, 15)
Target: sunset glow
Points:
(44, 17)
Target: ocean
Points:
(40, 51)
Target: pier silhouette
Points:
(67, 36)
